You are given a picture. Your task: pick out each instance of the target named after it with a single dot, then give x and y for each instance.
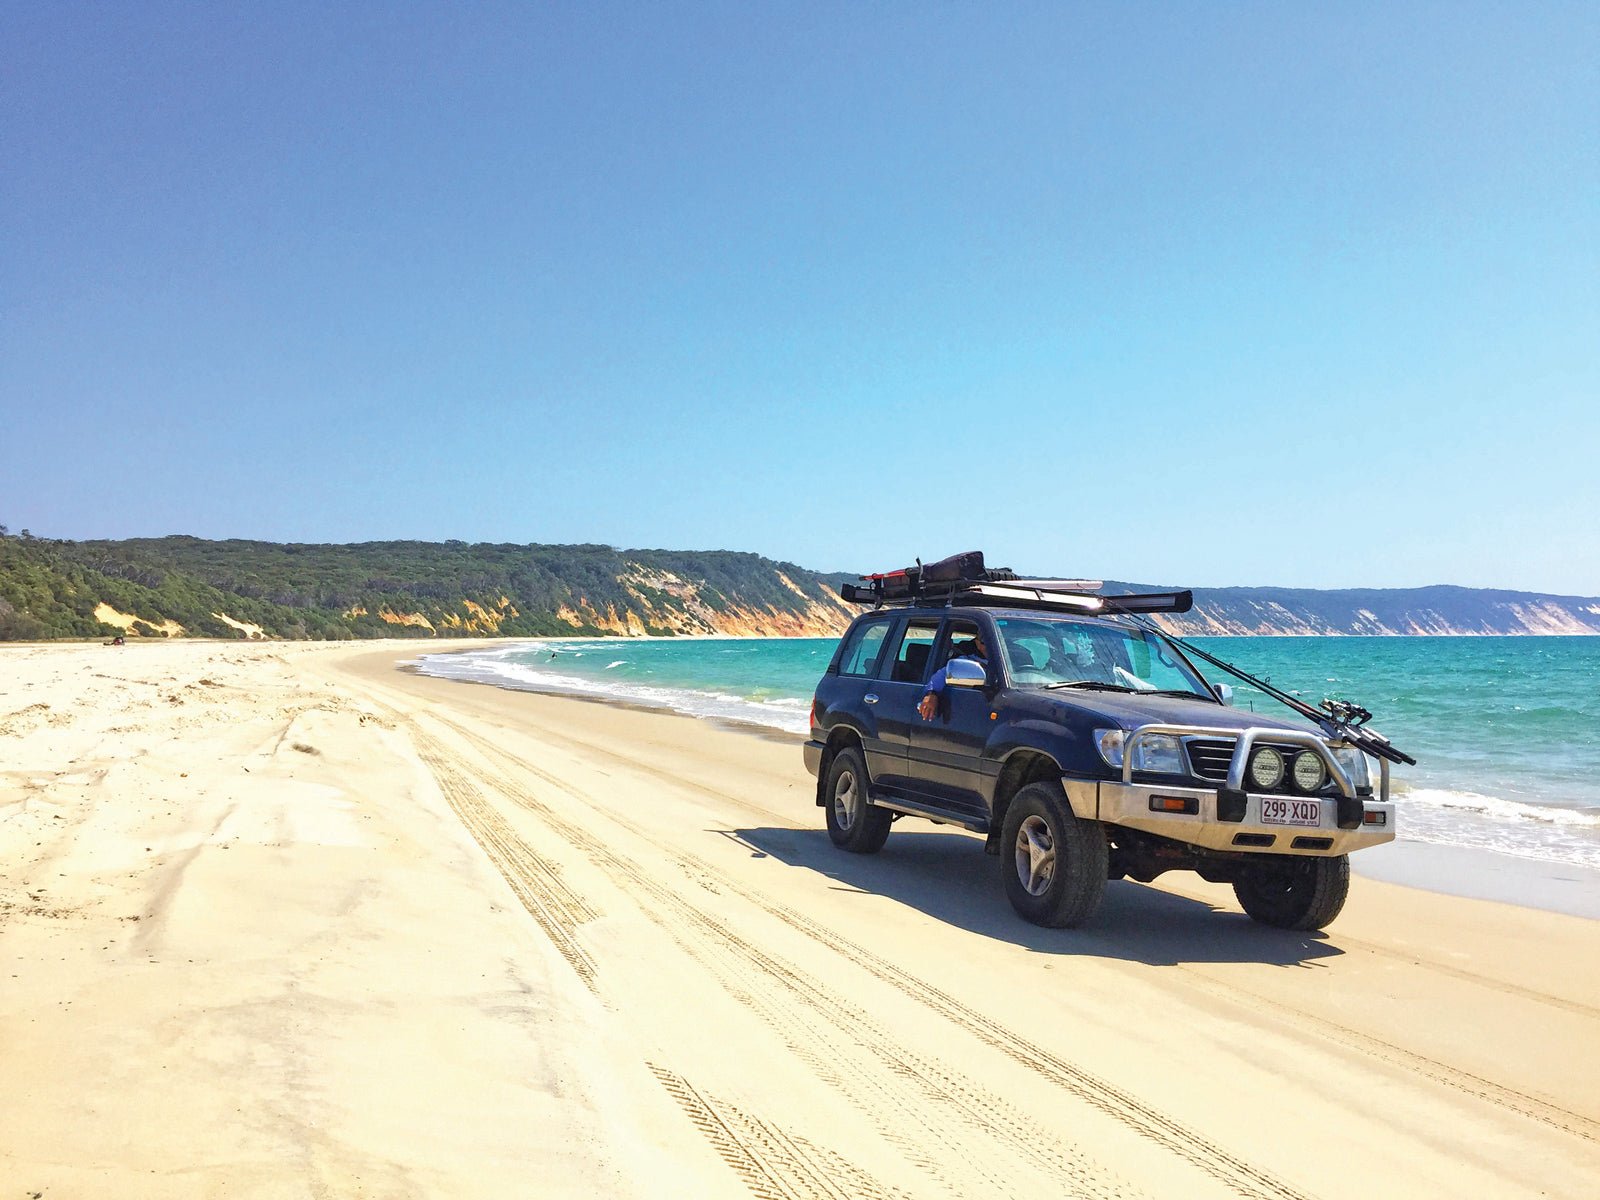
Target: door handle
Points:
(870, 698)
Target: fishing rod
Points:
(1339, 719)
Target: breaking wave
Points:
(1471, 819)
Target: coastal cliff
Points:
(1439, 610)
(188, 587)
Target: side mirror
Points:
(965, 672)
(1224, 692)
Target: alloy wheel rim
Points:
(1035, 855)
(845, 800)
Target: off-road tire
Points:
(1295, 893)
(1053, 862)
(853, 824)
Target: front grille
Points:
(1209, 758)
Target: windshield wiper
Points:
(1185, 692)
(1090, 683)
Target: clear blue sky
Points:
(1194, 293)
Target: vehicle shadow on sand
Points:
(952, 880)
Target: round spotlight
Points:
(1309, 772)
(1266, 768)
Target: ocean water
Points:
(1506, 731)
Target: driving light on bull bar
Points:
(1374, 816)
(1309, 773)
(1266, 768)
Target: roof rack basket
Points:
(964, 580)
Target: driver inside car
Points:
(973, 647)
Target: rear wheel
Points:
(854, 824)
(1053, 863)
(1295, 893)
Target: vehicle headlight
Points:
(1355, 765)
(1266, 768)
(1309, 773)
(1158, 753)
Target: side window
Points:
(960, 642)
(864, 649)
(911, 658)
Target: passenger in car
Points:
(928, 708)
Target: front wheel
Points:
(853, 824)
(1295, 893)
(1054, 864)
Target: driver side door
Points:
(947, 752)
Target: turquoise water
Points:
(1506, 731)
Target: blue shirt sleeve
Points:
(936, 684)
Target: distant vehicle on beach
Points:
(1085, 745)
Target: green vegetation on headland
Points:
(51, 588)
(185, 586)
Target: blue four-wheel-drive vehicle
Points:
(1084, 743)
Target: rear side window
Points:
(864, 649)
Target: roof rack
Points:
(963, 580)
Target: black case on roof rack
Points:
(963, 579)
(889, 587)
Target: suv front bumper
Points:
(1130, 805)
(1229, 817)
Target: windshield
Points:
(1064, 653)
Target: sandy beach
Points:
(284, 920)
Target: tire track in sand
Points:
(612, 754)
(1308, 1024)
(554, 907)
(1317, 1027)
(1239, 1175)
(1322, 1029)
(772, 1164)
(964, 1105)
(1086, 1087)
(1412, 958)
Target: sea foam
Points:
(1476, 821)
(502, 669)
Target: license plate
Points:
(1291, 812)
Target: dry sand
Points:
(285, 921)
